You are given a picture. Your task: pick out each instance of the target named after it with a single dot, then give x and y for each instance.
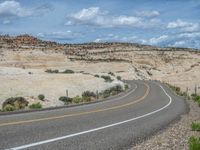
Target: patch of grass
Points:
(36, 106)
(41, 97)
(196, 98)
(194, 143)
(107, 78)
(195, 126)
(68, 71)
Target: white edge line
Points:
(95, 129)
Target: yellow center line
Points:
(81, 113)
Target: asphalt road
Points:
(114, 124)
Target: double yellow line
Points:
(78, 114)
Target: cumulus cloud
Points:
(152, 13)
(98, 17)
(13, 8)
(184, 26)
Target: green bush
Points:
(119, 78)
(107, 78)
(88, 94)
(52, 71)
(111, 73)
(196, 98)
(86, 99)
(126, 86)
(77, 100)
(16, 102)
(194, 143)
(195, 126)
(8, 107)
(112, 91)
(35, 106)
(65, 99)
(41, 97)
(68, 71)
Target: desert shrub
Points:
(194, 143)
(106, 93)
(107, 78)
(88, 94)
(65, 99)
(195, 126)
(96, 75)
(8, 107)
(52, 71)
(112, 91)
(111, 73)
(126, 86)
(16, 102)
(77, 100)
(196, 98)
(119, 78)
(68, 71)
(86, 99)
(41, 97)
(36, 106)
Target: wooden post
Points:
(67, 93)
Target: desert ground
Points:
(23, 64)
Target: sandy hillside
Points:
(23, 62)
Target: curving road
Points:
(117, 123)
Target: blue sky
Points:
(153, 22)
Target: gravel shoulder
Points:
(176, 135)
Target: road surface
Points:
(117, 123)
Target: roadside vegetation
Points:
(194, 142)
(14, 103)
(67, 71)
(36, 106)
(41, 97)
(88, 96)
(195, 126)
(107, 78)
(196, 98)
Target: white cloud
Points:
(184, 26)
(156, 40)
(6, 22)
(13, 8)
(87, 14)
(152, 13)
(60, 35)
(98, 17)
(179, 44)
(189, 35)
